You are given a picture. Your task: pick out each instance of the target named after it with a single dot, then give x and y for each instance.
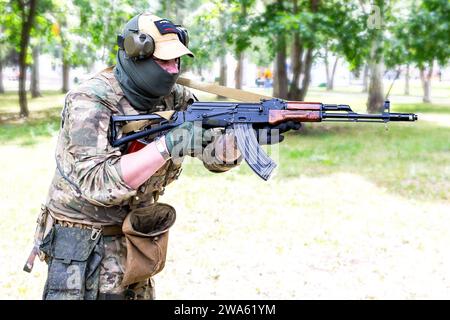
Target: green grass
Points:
(43, 121)
(422, 107)
(30, 132)
(9, 102)
(410, 159)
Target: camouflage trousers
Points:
(112, 270)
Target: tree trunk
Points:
(65, 77)
(223, 80)
(365, 78)
(200, 72)
(27, 24)
(306, 64)
(280, 81)
(296, 60)
(333, 73)
(407, 80)
(223, 71)
(327, 67)
(34, 86)
(168, 8)
(330, 81)
(307, 75)
(375, 98)
(425, 78)
(238, 72)
(2, 88)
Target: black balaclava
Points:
(143, 81)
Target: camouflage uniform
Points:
(88, 187)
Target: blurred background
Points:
(355, 211)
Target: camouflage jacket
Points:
(88, 186)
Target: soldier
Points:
(105, 230)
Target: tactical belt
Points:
(107, 231)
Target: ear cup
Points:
(183, 35)
(139, 45)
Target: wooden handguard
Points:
(301, 105)
(279, 116)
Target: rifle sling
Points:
(231, 93)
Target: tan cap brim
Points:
(172, 49)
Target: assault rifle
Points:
(242, 116)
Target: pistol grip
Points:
(252, 152)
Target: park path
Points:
(439, 119)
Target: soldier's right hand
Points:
(186, 139)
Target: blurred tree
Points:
(26, 13)
(90, 34)
(308, 25)
(305, 39)
(20, 20)
(365, 77)
(34, 83)
(209, 26)
(3, 49)
(375, 25)
(238, 35)
(3, 43)
(39, 38)
(176, 10)
(223, 26)
(338, 34)
(395, 48)
(426, 37)
(270, 25)
(74, 36)
(330, 73)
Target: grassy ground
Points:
(354, 211)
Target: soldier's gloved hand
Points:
(267, 134)
(225, 148)
(186, 139)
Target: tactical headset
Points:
(139, 45)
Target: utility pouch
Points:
(146, 232)
(73, 264)
(44, 223)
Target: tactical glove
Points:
(186, 139)
(267, 134)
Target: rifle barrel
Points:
(384, 117)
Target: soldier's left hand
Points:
(273, 134)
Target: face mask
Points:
(143, 82)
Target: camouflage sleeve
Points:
(183, 97)
(93, 163)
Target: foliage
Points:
(426, 33)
